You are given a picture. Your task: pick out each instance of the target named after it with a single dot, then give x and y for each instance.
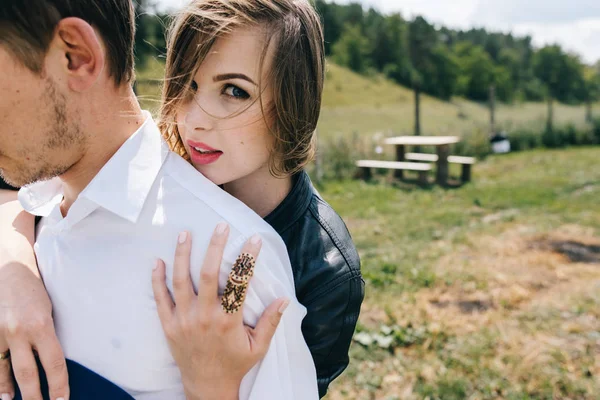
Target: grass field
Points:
(490, 291)
(368, 105)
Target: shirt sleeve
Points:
(287, 371)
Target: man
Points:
(68, 111)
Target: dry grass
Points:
(490, 291)
(526, 321)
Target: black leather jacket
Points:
(327, 275)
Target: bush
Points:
(474, 143)
(596, 130)
(522, 139)
(550, 138)
(339, 153)
(570, 135)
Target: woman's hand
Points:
(213, 349)
(26, 314)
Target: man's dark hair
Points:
(27, 28)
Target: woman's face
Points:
(222, 124)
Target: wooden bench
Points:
(466, 162)
(422, 169)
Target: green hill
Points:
(368, 105)
(355, 103)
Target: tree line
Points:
(444, 62)
(439, 61)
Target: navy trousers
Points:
(85, 385)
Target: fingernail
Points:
(61, 398)
(6, 396)
(183, 237)
(221, 228)
(155, 268)
(284, 306)
(255, 239)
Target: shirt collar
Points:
(294, 205)
(121, 186)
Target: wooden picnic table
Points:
(441, 143)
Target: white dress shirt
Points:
(97, 266)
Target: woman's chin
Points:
(210, 175)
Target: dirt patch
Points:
(520, 303)
(495, 276)
(465, 306)
(575, 251)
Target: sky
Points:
(573, 24)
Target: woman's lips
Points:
(202, 153)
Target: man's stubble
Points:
(61, 145)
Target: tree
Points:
(444, 62)
(352, 49)
(142, 33)
(422, 39)
(441, 79)
(150, 31)
(476, 71)
(592, 94)
(332, 24)
(561, 74)
(547, 66)
(389, 42)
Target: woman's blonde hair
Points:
(293, 29)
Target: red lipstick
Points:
(202, 153)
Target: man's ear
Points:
(83, 56)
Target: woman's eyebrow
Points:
(225, 77)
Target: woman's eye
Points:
(235, 92)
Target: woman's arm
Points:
(329, 326)
(26, 312)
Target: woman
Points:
(241, 102)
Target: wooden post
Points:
(417, 113)
(366, 173)
(549, 123)
(400, 151)
(466, 173)
(492, 110)
(442, 164)
(423, 178)
(417, 109)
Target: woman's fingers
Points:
(55, 366)
(267, 325)
(183, 291)
(208, 285)
(7, 388)
(25, 370)
(239, 278)
(164, 303)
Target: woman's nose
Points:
(198, 117)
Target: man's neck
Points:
(104, 142)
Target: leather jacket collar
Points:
(294, 205)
